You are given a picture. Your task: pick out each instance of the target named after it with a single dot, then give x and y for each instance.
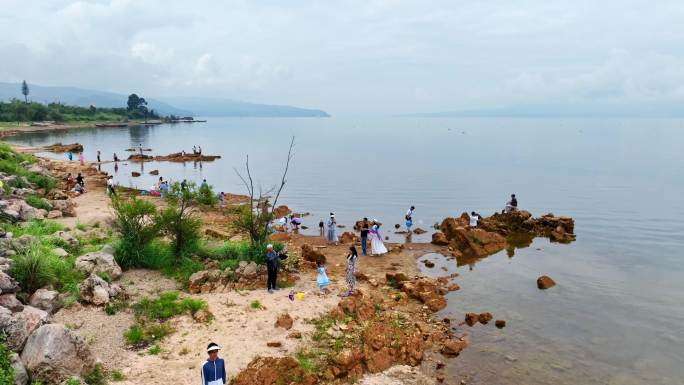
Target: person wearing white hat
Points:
(332, 229)
(272, 260)
(213, 370)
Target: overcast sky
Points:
(347, 57)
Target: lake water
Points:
(616, 315)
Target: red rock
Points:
(545, 282)
(453, 287)
(135, 174)
(312, 255)
(471, 318)
(500, 323)
(484, 318)
(295, 334)
(284, 321)
(280, 237)
(274, 344)
(453, 347)
(419, 231)
(438, 238)
(281, 211)
(348, 237)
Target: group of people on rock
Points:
(75, 185)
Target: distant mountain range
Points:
(180, 106)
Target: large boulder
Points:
(11, 302)
(8, 284)
(66, 237)
(54, 353)
(98, 262)
(66, 206)
(312, 255)
(47, 300)
(471, 241)
(19, 326)
(97, 291)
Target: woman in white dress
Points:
(377, 245)
(332, 229)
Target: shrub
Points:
(166, 306)
(117, 375)
(32, 269)
(134, 220)
(37, 202)
(154, 350)
(96, 376)
(178, 221)
(6, 370)
(206, 196)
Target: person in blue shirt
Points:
(214, 368)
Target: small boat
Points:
(111, 125)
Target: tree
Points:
(137, 106)
(178, 220)
(25, 90)
(255, 217)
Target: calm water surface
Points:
(616, 315)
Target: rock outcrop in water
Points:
(175, 157)
(494, 233)
(59, 147)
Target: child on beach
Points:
(322, 278)
(81, 158)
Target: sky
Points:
(357, 57)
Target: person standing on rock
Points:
(332, 229)
(70, 156)
(377, 245)
(140, 148)
(116, 158)
(512, 205)
(351, 268)
(213, 370)
(474, 218)
(272, 261)
(409, 219)
(365, 226)
(98, 156)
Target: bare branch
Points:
(287, 167)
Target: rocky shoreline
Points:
(386, 327)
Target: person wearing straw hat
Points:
(213, 370)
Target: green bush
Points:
(134, 220)
(6, 369)
(32, 269)
(37, 266)
(96, 376)
(117, 375)
(37, 202)
(166, 306)
(35, 227)
(206, 196)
